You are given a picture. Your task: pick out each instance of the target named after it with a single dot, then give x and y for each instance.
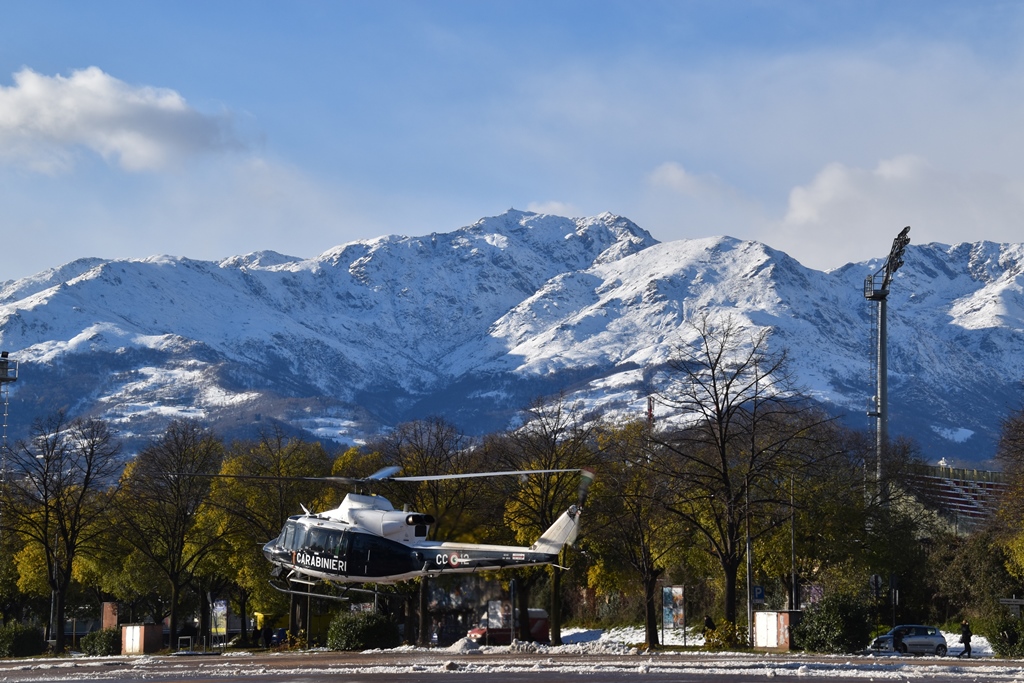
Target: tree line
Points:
(744, 478)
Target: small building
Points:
(139, 639)
(773, 630)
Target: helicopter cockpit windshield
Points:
(293, 536)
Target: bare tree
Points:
(431, 447)
(744, 431)
(58, 489)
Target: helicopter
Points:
(366, 540)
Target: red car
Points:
(487, 635)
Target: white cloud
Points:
(687, 204)
(673, 176)
(852, 214)
(45, 120)
(825, 153)
(554, 208)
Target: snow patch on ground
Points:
(611, 653)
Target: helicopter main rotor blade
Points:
(283, 477)
(385, 474)
(435, 477)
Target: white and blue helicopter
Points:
(366, 540)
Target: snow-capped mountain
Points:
(476, 323)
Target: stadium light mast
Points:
(876, 288)
(8, 374)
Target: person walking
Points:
(897, 640)
(965, 638)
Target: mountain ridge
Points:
(474, 323)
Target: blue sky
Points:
(219, 128)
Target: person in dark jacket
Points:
(709, 625)
(965, 638)
(897, 640)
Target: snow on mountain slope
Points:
(475, 323)
(374, 317)
(956, 352)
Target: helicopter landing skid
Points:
(340, 598)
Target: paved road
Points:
(428, 667)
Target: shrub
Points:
(102, 643)
(362, 631)
(17, 640)
(1004, 634)
(837, 624)
(726, 636)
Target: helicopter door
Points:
(359, 555)
(374, 556)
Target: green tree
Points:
(262, 484)
(970, 574)
(900, 529)
(825, 538)
(632, 538)
(138, 584)
(556, 434)
(164, 490)
(838, 624)
(1010, 454)
(12, 600)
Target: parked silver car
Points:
(912, 638)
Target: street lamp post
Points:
(53, 553)
(750, 563)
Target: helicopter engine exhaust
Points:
(417, 519)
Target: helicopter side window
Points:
(334, 544)
(318, 539)
(298, 539)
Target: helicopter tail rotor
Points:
(586, 479)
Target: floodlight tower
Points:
(876, 288)
(8, 374)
